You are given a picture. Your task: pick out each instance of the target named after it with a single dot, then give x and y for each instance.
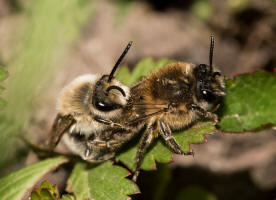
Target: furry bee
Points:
(87, 108)
(171, 98)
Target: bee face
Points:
(209, 85)
(109, 96)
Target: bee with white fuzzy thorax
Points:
(87, 108)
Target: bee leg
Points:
(99, 143)
(204, 113)
(60, 126)
(87, 152)
(166, 134)
(144, 143)
(109, 122)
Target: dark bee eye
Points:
(208, 95)
(102, 106)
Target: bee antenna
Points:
(114, 87)
(212, 44)
(119, 61)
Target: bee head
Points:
(209, 82)
(109, 94)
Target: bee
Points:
(87, 108)
(171, 98)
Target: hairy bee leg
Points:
(166, 134)
(109, 122)
(144, 143)
(87, 151)
(109, 144)
(60, 126)
(100, 143)
(204, 113)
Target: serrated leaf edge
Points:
(222, 131)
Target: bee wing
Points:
(155, 109)
(60, 126)
(150, 106)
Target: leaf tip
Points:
(138, 191)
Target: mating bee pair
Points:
(98, 114)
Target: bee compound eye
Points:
(102, 106)
(105, 107)
(207, 95)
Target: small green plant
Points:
(248, 106)
(3, 76)
(47, 191)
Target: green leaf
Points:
(194, 135)
(100, 181)
(47, 191)
(35, 195)
(249, 103)
(124, 75)
(48, 185)
(16, 184)
(47, 194)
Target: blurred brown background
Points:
(230, 166)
